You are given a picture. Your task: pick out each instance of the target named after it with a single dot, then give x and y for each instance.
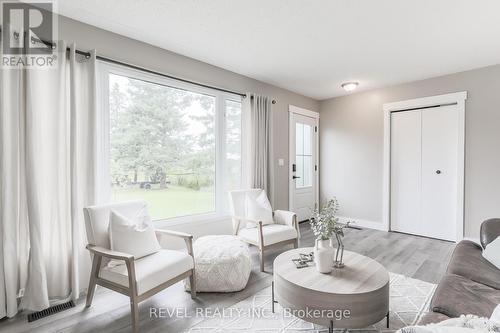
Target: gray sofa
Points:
(471, 284)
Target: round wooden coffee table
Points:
(355, 296)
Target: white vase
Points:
(323, 256)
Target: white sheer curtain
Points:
(257, 110)
(48, 150)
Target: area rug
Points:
(409, 301)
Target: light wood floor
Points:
(421, 258)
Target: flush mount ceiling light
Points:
(349, 86)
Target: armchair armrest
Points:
(188, 239)
(237, 223)
(101, 251)
(244, 219)
(174, 233)
(285, 217)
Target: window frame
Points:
(104, 69)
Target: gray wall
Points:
(135, 52)
(351, 140)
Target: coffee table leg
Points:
(272, 296)
(387, 319)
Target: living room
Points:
(227, 166)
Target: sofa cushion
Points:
(456, 295)
(467, 261)
(152, 270)
(432, 318)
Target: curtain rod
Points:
(117, 62)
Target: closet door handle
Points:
(438, 172)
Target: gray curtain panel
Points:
(260, 155)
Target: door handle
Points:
(438, 172)
(295, 177)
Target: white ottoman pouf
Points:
(222, 264)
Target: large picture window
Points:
(174, 145)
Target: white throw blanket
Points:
(465, 324)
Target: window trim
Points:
(104, 69)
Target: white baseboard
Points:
(364, 223)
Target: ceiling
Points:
(311, 47)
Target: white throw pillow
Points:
(258, 209)
(492, 252)
(133, 237)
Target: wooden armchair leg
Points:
(96, 264)
(134, 301)
(261, 250)
(192, 284)
(261, 246)
(134, 311)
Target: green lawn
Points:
(171, 202)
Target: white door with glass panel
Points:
(303, 162)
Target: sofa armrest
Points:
(110, 254)
(490, 230)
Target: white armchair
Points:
(140, 278)
(283, 231)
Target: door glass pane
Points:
(307, 171)
(304, 155)
(299, 138)
(307, 139)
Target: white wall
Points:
(351, 145)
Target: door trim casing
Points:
(457, 98)
(302, 111)
(312, 114)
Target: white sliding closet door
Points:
(406, 171)
(439, 172)
(424, 159)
